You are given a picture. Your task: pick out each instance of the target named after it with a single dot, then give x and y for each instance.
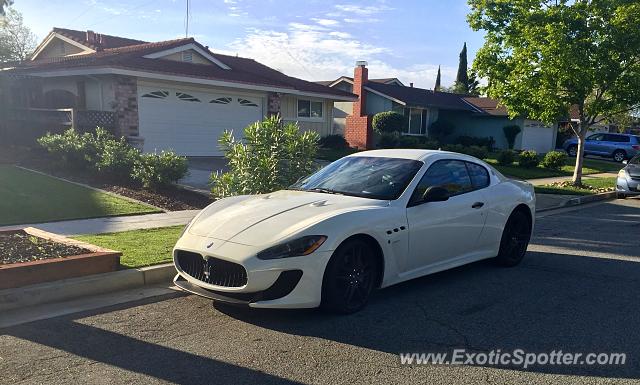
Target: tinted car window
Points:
(450, 174)
(479, 175)
(595, 137)
(617, 138)
(367, 177)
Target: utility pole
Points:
(186, 24)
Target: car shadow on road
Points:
(135, 355)
(550, 302)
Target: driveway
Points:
(577, 290)
(200, 169)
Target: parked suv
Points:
(617, 146)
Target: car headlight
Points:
(623, 173)
(301, 246)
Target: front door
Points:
(441, 231)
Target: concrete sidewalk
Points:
(543, 181)
(113, 224)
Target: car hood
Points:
(262, 219)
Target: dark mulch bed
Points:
(18, 247)
(171, 198)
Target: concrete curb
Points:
(68, 289)
(581, 200)
(94, 189)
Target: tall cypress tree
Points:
(437, 86)
(463, 78)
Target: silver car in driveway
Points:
(617, 146)
(628, 183)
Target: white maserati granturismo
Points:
(366, 221)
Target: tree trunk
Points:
(577, 172)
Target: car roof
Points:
(409, 153)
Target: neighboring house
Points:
(173, 94)
(472, 116)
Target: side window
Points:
(479, 175)
(450, 174)
(595, 137)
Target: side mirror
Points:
(435, 194)
(625, 162)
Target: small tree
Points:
(510, 133)
(272, 156)
(17, 41)
(544, 57)
(389, 121)
(437, 86)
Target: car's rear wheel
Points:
(572, 150)
(515, 239)
(619, 155)
(350, 277)
(621, 195)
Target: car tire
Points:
(619, 156)
(572, 150)
(349, 278)
(621, 195)
(515, 239)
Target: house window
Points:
(310, 109)
(247, 103)
(221, 101)
(156, 95)
(187, 56)
(417, 121)
(186, 97)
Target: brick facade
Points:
(126, 109)
(358, 131)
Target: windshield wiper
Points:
(324, 190)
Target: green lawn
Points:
(139, 247)
(593, 182)
(590, 166)
(29, 197)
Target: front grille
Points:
(220, 273)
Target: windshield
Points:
(368, 177)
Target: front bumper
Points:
(628, 186)
(280, 283)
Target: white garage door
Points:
(538, 136)
(190, 122)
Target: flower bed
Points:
(31, 256)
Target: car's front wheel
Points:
(350, 277)
(572, 150)
(515, 239)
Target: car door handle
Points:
(477, 205)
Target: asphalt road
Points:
(577, 291)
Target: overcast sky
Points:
(313, 40)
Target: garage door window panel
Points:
(221, 101)
(246, 103)
(187, 97)
(156, 95)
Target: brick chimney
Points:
(358, 131)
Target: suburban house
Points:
(471, 116)
(173, 94)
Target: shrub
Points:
(510, 133)
(506, 157)
(116, 158)
(334, 141)
(70, 148)
(389, 121)
(528, 159)
(440, 129)
(554, 160)
(475, 151)
(388, 140)
(272, 156)
(157, 170)
(465, 140)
